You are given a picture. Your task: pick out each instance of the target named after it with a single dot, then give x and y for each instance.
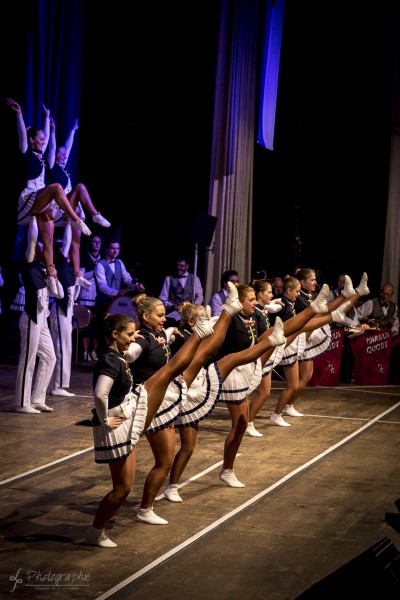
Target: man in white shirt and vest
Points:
(177, 288)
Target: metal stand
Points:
(196, 257)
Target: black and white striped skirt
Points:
(116, 444)
(170, 407)
(241, 382)
(291, 353)
(317, 343)
(202, 396)
(273, 360)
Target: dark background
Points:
(146, 128)
(325, 185)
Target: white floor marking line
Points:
(240, 508)
(343, 418)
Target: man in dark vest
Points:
(179, 287)
(381, 311)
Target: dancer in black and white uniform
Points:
(296, 347)
(39, 202)
(265, 307)
(78, 197)
(36, 343)
(146, 356)
(205, 384)
(319, 340)
(242, 333)
(120, 416)
(189, 398)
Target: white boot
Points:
(100, 220)
(203, 327)
(362, 287)
(348, 289)
(339, 313)
(82, 227)
(277, 337)
(232, 304)
(319, 305)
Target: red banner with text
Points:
(372, 356)
(327, 365)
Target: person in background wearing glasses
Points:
(218, 299)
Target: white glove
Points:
(274, 307)
(60, 290)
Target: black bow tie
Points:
(385, 305)
(182, 277)
(111, 261)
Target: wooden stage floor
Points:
(315, 500)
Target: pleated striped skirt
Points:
(273, 360)
(290, 355)
(170, 407)
(241, 382)
(202, 397)
(116, 444)
(317, 343)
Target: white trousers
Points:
(61, 332)
(36, 343)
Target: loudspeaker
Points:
(202, 229)
(377, 568)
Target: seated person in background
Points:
(381, 311)
(335, 292)
(277, 287)
(178, 288)
(112, 280)
(218, 299)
